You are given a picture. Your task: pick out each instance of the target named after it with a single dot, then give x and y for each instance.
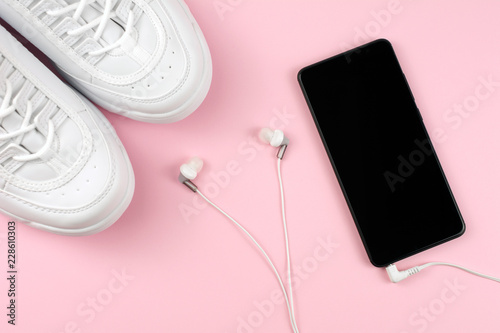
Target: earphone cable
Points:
(292, 318)
(459, 267)
(437, 263)
(289, 269)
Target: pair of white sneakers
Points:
(62, 167)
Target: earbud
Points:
(189, 171)
(275, 138)
(191, 168)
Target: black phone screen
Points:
(384, 160)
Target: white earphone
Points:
(275, 138)
(189, 171)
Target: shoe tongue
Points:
(114, 27)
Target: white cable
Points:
(459, 267)
(292, 318)
(395, 275)
(289, 272)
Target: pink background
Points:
(195, 272)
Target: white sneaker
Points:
(145, 59)
(62, 167)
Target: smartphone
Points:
(381, 152)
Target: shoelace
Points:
(99, 22)
(6, 108)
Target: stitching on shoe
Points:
(103, 194)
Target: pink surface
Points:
(171, 264)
